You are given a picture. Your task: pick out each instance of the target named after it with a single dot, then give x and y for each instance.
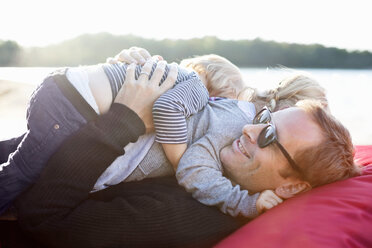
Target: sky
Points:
(342, 24)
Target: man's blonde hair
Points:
(222, 77)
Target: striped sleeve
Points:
(173, 107)
(116, 74)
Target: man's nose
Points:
(252, 131)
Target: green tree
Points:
(95, 48)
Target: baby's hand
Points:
(266, 200)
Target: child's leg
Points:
(51, 118)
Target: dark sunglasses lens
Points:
(262, 117)
(266, 137)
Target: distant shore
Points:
(14, 97)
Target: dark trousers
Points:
(56, 110)
(9, 146)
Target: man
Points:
(59, 210)
(317, 150)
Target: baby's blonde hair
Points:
(222, 77)
(292, 89)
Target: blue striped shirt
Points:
(172, 109)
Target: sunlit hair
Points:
(290, 90)
(223, 78)
(333, 158)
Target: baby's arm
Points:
(267, 200)
(201, 174)
(174, 153)
(170, 112)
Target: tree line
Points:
(95, 48)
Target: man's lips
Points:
(241, 149)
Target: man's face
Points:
(257, 169)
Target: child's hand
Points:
(266, 200)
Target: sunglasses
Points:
(268, 135)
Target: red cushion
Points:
(334, 215)
(363, 155)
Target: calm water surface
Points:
(349, 92)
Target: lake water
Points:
(349, 92)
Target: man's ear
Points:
(290, 189)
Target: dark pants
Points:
(52, 116)
(9, 146)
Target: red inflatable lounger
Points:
(334, 215)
